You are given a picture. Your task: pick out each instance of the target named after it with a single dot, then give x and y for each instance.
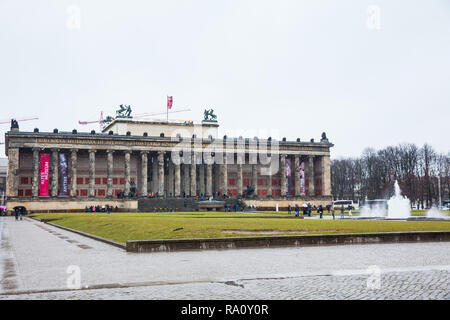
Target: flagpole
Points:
(167, 108)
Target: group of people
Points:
(308, 208)
(19, 212)
(105, 208)
(199, 197)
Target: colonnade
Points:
(316, 168)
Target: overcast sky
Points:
(368, 73)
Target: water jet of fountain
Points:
(398, 206)
(435, 213)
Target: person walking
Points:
(332, 211)
(297, 209)
(320, 210)
(305, 209)
(289, 209)
(342, 212)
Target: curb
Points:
(173, 245)
(88, 235)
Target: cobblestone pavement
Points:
(35, 257)
(432, 284)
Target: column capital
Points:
(92, 150)
(144, 152)
(36, 149)
(110, 151)
(74, 150)
(55, 149)
(128, 151)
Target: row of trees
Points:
(372, 175)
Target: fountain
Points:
(398, 206)
(373, 211)
(434, 213)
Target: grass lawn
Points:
(150, 226)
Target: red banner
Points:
(45, 164)
(169, 102)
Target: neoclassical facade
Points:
(85, 168)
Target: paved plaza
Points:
(36, 262)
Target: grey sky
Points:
(293, 67)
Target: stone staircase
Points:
(167, 205)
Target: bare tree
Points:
(417, 171)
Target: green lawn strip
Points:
(150, 226)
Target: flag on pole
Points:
(169, 102)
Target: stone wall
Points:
(264, 204)
(69, 205)
(283, 241)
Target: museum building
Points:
(131, 160)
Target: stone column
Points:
(224, 168)
(193, 174)
(171, 179)
(182, 179)
(255, 177)
(127, 172)
(201, 168)
(310, 174)
(326, 176)
(73, 172)
(55, 178)
(109, 173)
(36, 168)
(269, 182)
(177, 179)
(216, 175)
(187, 183)
(239, 174)
(155, 184)
(297, 175)
(208, 179)
(283, 174)
(144, 170)
(92, 173)
(161, 173)
(12, 180)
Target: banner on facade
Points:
(302, 179)
(288, 176)
(45, 165)
(63, 179)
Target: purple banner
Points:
(63, 179)
(288, 176)
(302, 179)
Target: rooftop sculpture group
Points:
(209, 115)
(124, 111)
